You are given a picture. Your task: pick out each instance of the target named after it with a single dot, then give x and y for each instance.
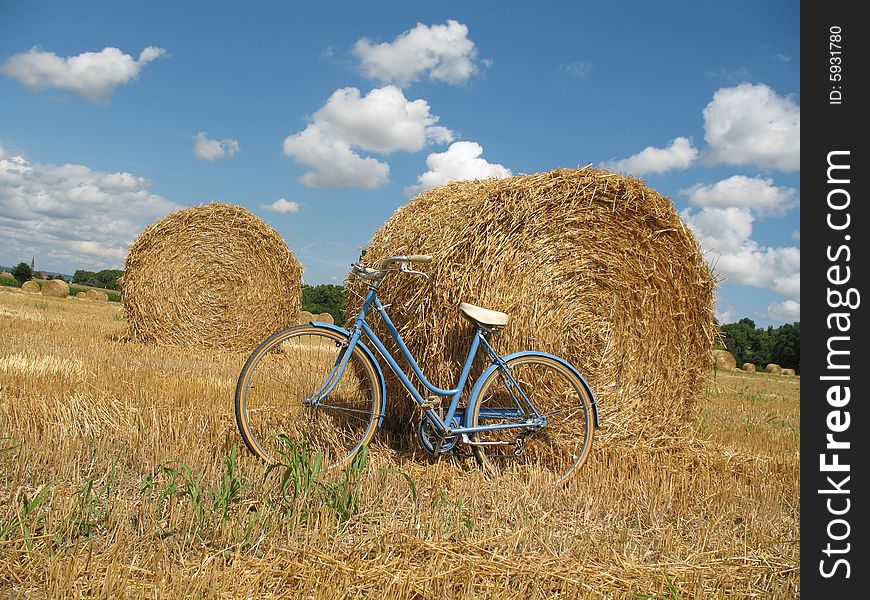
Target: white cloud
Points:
(752, 125)
(71, 217)
(383, 121)
(460, 162)
(724, 234)
(755, 193)
(443, 51)
(787, 312)
(93, 75)
(282, 206)
(578, 68)
(725, 315)
(208, 149)
(679, 155)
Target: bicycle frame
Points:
(362, 328)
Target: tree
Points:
(785, 346)
(745, 342)
(763, 346)
(325, 298)
(107, 278)
(23, 272)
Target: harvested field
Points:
(118, 478)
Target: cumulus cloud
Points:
(71, 217)
(444, 52)
(788, 311)
(383, 121)
(752, 125)
(210, 150)
(282, 205)
(756, 193)
(461, 161)
(725, 235)
(93, 75)
(679, 155)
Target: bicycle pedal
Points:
(431, 403)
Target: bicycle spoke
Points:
(562, 445)
(296, 365)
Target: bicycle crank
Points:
(431, 440)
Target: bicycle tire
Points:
(293, 365)
(562, 446)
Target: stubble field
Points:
(121, 476)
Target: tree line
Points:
(746, 342)
(751, 344)
(106, 279)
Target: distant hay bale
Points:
(724, 359)
(305, 317)
(213, 276)
(30, 286)
(589, 264)
(788, 372)
(773, 368)
(7, 275)
(81, 295)
(57, 288)
(97, 295)
(325, 317)
(749, 367)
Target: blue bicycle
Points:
(321, 383)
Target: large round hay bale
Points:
(325, 317)
(81, 295)
(305, 317)
(57, 288)
(213, 276)
(724, 359)
(589, 264)
(773, 368)
(787, 372)
(97, 295)
(30, 286)
(749, 367)
(6, 274)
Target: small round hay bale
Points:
(30, 286)
(97, 295)
(57, 288)
(724, 359)
(590, 265)
(81, 295)
(6, 274)
(305, 317)
(324, 317)
(788, 372)
(749, 367)
(213, 276)
(773, 368)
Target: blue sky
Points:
(323, 119)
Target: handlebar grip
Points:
(420, 258)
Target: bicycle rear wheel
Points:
(561, 446)
(278, 389)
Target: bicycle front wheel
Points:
(291, 385)
(561, 446)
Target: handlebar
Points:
(387, 265)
